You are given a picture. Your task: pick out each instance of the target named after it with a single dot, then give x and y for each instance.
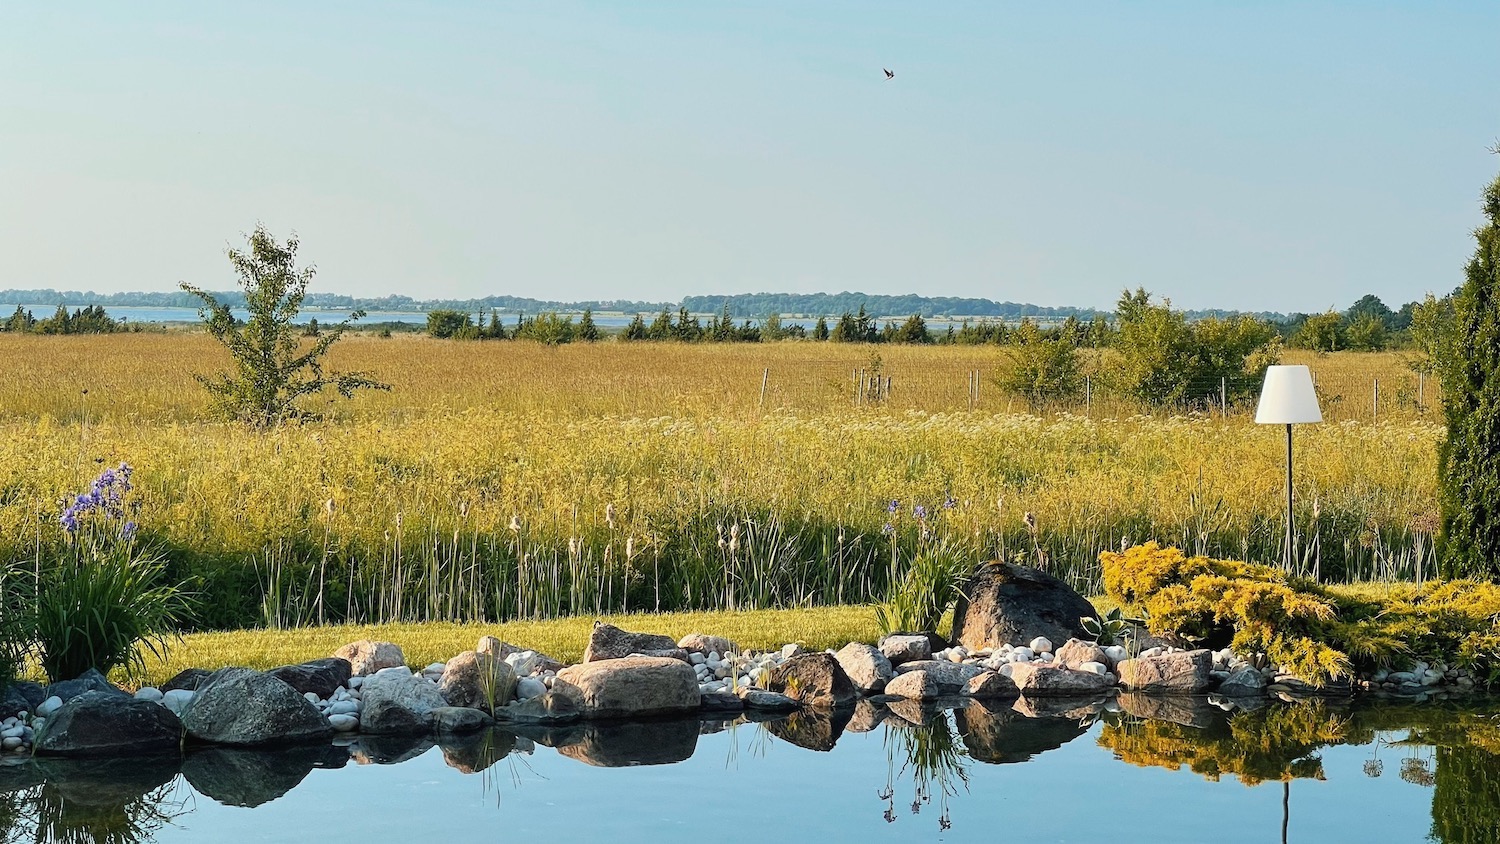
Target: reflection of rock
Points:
(1186, 710)
(17, 773)
(910, 711)
(474, 752)
(108, 782)
(1072, 708)
(389, 749)
(250, 777)
(1012, 604)
(867, 716)
(625, 743)
(999, 736)
(813, 729)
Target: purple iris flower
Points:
(919, 511)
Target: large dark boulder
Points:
(99, 723)
(815, 680)
(188, 679)
(396, 702)
(238, 706)
(630, 687)
(89, 681)
(19, 695)
(322, 677)
(1009, 604)
(1181, 672)
(610, 642)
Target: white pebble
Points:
(530, 687)
(149, 693)
(10, 743)
(1095, 667)
(177, 700)
(343, 723)
(312, 698)
(49, 706)
(1041, 645)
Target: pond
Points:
(1132, 769)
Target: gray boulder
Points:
(628, 687)
(452, 720)
(397, 702)
(816, 680)
(367, 657)
(21, 695)
(610, 642)
(322, 677)
(905, 647)
(98, 723)
(1035, 679)
(238, 706)
(1183, 672)
(1010, 604)
(546, 709)
(951, 677)
(1076, 652)
(477, 680)
(991, 684)
(702, 643)
(89, 681)
(915, 685)
(766, 700)
(187, 679)
(867, 667)
(1246, 682)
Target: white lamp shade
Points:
(1288, 397)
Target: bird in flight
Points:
(889, 74)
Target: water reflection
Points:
(933, 753)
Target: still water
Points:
(1159, 770)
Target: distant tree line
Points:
(548, 327)
(89, 320)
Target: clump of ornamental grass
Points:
(103, 600)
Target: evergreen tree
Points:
(636, 330)
(820, 332)
(586, 331)
(1468, 475)
(661, 327)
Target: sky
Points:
(1257, 156)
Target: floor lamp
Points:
(1288, 398)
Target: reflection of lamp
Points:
(1288, 398)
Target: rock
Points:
(791, 649)
(630, 686)
(177, 700)
(721, 703)
(1072, 707)
(546, 709)
(478, 681)
(321, 677)
(868, 668)
(813, 679)
(1040, 680)
(1117, 654)
(100, 723)
(366, 657)
(903, 647)
(21, 695)
(89, 681)
(951, 677)
(1014, 604)
(495, 647)
(449, 720)
(188, 679)
(1076, 652)
(238, 706)
(610, 642)
(1097, 667)
(914, 685)
(624, 744)
(766, 700)
(1246, 682)
(343, 723)
(1042, 645)
(1183, 672)
(991, 684)
(148, 693)
(529, 687)
(398, 703)
(699, 643)
(49, 706)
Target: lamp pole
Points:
(1287, 559)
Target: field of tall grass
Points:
(512, 480)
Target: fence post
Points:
(1375, 401)
(1224, 397)
(1420, 384)
(1088, 395)
(765, 377)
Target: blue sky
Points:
(1275, 156)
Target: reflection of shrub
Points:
(1271, 744)
(1213, 601)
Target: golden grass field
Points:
(507, 478)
